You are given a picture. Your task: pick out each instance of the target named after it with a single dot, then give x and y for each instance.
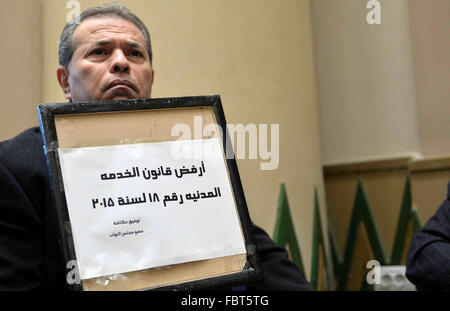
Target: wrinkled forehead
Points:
(106, 27)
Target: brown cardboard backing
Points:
(130, 127)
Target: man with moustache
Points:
(106, 56)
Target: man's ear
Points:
(63, 80)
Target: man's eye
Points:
(98, 52)
(136, 53)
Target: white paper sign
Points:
(134, 207)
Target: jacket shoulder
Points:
(24, 150)
(23, 157)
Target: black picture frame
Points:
(253, 269)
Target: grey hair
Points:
(66, 44)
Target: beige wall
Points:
(365, 81)
(382, 89)
(20, 61)
(256, 54)
(430, 24)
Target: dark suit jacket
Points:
(428, 259)
(30, 256)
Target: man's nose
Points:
(119, 62)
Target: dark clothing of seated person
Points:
(428, 258)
